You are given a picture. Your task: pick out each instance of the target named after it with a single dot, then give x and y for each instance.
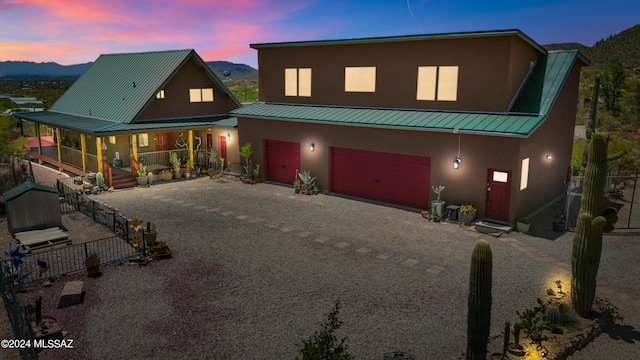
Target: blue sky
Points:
(78, 31)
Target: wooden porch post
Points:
(191, 147)
(83, 150)
(39, 141)
(59, 148)
(134, 146)
(99, 153)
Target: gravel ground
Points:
(256, 268)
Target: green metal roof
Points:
(103, 127)
(24, 187)
(466, 34)
(537, 96)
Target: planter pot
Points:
(437, 208)
(522, 227)
(117, 163)
(177, 175)
(467, 219)
(142, 180)
(150, 237)
(93, 271)
(187, 175)
(558, 227)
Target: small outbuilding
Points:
(31, 206)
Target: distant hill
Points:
(624, 46)
(238, 71)
(9, 69)
(48, 69)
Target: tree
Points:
(9, 143)
(613, 79)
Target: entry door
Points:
(498, 194)
(223, 150)
(161, 142)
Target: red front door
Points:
(223, 151)
(283, 159)
(498, 194)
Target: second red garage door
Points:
(387, 177)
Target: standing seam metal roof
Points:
(557, 65)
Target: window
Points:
(297, 82)
(524, 174)
(360, 79)
(112, 139)
(500, 176)
(160, 94)
(143, 140)
(437, 83)
(201, 95)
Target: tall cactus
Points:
(479, 316)
(592, 222)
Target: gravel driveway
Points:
(256, 268)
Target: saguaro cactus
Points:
(592, 222)
(479, 316)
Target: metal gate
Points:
(621, 193)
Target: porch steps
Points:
(122, 179)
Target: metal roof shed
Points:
(32, 206)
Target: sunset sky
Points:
(78, 31)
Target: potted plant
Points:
(213, 162)
(92, 263)
(245, 153)
(437, 206)
(188, 167)
(468, 214)
(173, 160)
(117, 162)
(159, 248)
(523, 225)
(558, 225)
(305, 184)
(142, 177)
(150, 234)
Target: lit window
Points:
(112, 139)
(437, 82)
(160, 94)
(360, 79)
(500, 176)
(297, 82)
(524, 174)
(143, 140)
(201, 95)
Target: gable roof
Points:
(117, 87)
(25, 187)
(537, 96)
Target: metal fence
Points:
(620, 192)
(17, 317)
(69, 259)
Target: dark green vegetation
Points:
(479, 316)
(592, 223)
(616, 62)
(324, 344)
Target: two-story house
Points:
(489, 115)
(136, 107)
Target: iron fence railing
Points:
(17, 317)
(69, 259)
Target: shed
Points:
(32, 206)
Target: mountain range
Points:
(11, 69)
(624, 46)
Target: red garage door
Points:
(393, 178)
(283, 158)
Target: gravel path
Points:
(256, 268)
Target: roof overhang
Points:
(99, 127)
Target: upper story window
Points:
(297, 82)
(360, 79)
(437, 83)
(160, 94)
(201, 95)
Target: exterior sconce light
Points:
(228, 136)
(548, 157)
(559, 285)
(456, 163)
(311, 147)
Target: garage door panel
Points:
(394, 178)
(283, 158)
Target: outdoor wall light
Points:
(559, 285)
(456, 163)
(228, 137)
(311, 147)
(548, 157)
